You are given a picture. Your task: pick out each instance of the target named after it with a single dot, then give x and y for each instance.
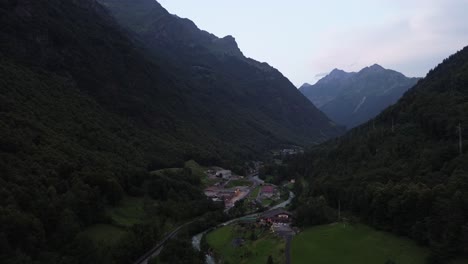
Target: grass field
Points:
(199, 171)
(128, 213)
(234, 183)
(336, 244)
(253, 194)
(252, 252)
(105, 235)
(267, 202)
(196, 168)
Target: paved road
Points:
(197, 238)
(154, 252)
(285, 203)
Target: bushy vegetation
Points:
(403, 171)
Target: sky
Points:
(306, 39)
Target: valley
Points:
(130, 134)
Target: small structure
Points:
(277, 216)
(225, 174)
(268, 191)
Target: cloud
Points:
(412, 42)
(320, 75)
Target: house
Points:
(276, 216)
(225, 174)
(268, 191)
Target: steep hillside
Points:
(403, 171)
(351, 99)
(249, 97)
(86, 112)
(78, 133)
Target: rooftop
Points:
(268, 189)
(272, 213)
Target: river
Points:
(196, 240)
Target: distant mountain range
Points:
(352, 98)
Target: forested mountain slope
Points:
(352, 98)
(402, 171)
(86, 112)
(75, 137)
(251, 98)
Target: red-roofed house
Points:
(268, 191)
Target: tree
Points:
(270, 260)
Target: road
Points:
(197, 238)
(154, 252)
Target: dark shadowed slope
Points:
(252, 98)
(86, 112)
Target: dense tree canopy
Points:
(403, 171)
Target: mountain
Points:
(251, 98)
(403, 171)
(352, 98)
(87, 110)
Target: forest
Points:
(405, 171)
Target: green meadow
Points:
(337, 244)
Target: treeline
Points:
(402, 172)
(76, 137)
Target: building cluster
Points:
(218, 192)
(289, 151)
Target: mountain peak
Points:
(305, 85)
(374, 68)
(377, 66)
(335, 74)
(336, 71)
(353, 98)
(228, 45)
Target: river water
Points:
(196, 240)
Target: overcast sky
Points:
(305, 39)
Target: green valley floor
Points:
(326, 244)
(338, 243)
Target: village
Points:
(241, 237)
(228, 188)
(258, 209)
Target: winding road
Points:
(154, 252)
(197, 238)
